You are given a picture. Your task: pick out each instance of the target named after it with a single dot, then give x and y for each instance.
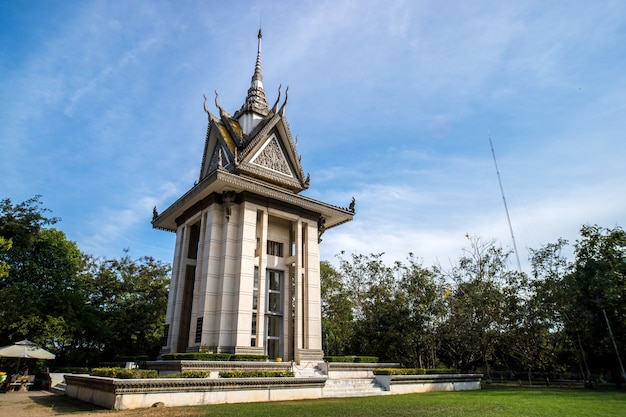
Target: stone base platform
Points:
(311, 382)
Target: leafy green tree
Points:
(131, 298)
(337, 318)
(80, 307)
(395, 309)
(597, 286)
(540, 343)
(423, 296)
(5, 245)
(371, 289)
(41, 297)
(476, 306)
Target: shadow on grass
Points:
(554, 386)
(60, 404)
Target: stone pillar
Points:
(176, 288)
(172, 325)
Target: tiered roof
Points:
(251, 152)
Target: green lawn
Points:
(488, 402)
(492, 401)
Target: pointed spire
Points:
(256, 101)
(257, 78)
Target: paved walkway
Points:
(39, 404)
(49, 403)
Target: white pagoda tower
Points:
(246, 270)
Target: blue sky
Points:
(101, 113)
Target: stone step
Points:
(351, 387)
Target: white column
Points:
(299, 289)
(211, 261)
(262, 280)
(199, 299)
(243, 304)
(312, 277)
(177, 286)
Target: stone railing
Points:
(175, 366)
(124, 394)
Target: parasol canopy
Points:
(25, 349)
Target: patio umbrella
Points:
(25, 350)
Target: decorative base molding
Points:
(343, 380)
(249, 350)
(309, 355)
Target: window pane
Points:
(273, 324)
(256, 277)
(274, 303)
(272, 348)
(275, 278)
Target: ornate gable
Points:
(256, 141)
(220, 147)
(271, 156)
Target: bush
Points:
(435, 371)
(352, 359)
(208, 356)
(190, 374)
(256, 374)
(248, 358)
(138, 358)
(414, 371)
(123, 373)
(71, 370)
(197, 356)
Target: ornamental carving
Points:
(218, 159)
(272, 157)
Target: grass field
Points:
(489, 402)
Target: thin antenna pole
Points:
(506, 208)
(614, 344)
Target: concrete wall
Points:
(141, 393)
(129, 394)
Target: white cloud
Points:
(102, 114)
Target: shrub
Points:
(248, 358)
(435, 371)
(366, 359)
(414, 371)
(123, 373)
(138, 358)
(197, 356)
(256, 374)
(72, 370)
(190, 374)
(399, 371)
(352, 359)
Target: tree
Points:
(337, 318)
(42, 277)
(597, 286)
(5, 245)
(371, 289)
(422, 295)
(131, 298)
(80, 307)
(476, 305)
(395, 309)
(541, 342)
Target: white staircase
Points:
(352, 387)
(351, 382)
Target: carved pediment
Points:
(271, 156)
(219, 158)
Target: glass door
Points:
(274, 314)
